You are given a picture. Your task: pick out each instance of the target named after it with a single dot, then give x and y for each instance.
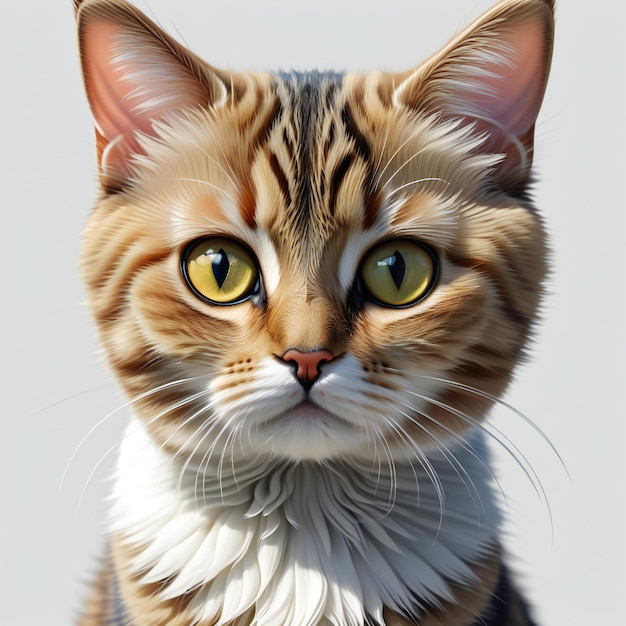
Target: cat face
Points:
(313, 266)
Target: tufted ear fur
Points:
(493, 76)
(135, 74)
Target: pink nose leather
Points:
(308, 363)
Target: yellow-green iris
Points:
(399, 272)
(220, 270)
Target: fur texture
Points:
(247, 492)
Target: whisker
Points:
(422, 459)
(415, 132)
(504, 404)
(452, 459)
(402, 166)
(382, 151)
(416, 182)
(393, 477)
(208, 184)
(69, 398)
(241, 449)
(514, 452)
(187, 420)
(88, 481)
(220, 465)
(232, 435)
(201, 471)
(130, 402)
(208, 424)
(428, 468)
(118, 444)
(461, 441)
(219, 165)
(375, 433)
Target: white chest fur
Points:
(303, 544)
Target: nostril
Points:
(308, 364)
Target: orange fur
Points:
(380, 157)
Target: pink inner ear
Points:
(515, 86)
(134, 74)
(109, 94)
(499, 88)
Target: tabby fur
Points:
(243, 496)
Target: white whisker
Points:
(208, 184)
(416, 182)
(98, 424)
(423, 460)
(502, 440)
(206, 458)
(451, 458)
(232, 436)
(504, 404)
(415, 132)
(69, 398)
(375, 433)
(382, 151)
(219, 165)
(393, 485)
(156, 417)
(207, 424)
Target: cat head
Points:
(314, 266)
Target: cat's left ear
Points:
(492, 75)
(135, 74)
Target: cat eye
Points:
(399, 273)
(220, 270)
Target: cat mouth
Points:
(306, 431)
(308, 412)
(308, 417)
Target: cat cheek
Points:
(161, 308)
(433, 336)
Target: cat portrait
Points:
(312, 287)
(323, 318)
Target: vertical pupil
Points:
(220, 265)
(397, 268)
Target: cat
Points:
(312, 288)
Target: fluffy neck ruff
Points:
(308, 543)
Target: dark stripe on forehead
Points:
(335, 182)
(281, 177)
(260, 123)
(362, 147)
(361, 144)
(267, 123)
(309, 96)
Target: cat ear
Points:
(493, 76)
(135, 74)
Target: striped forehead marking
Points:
(313, 109)
(308, 98)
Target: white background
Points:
(55, 390)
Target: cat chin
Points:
(310, 433)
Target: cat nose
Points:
(308, 364)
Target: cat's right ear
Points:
(491, 77)
(135, 74)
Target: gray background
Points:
(55, 390)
